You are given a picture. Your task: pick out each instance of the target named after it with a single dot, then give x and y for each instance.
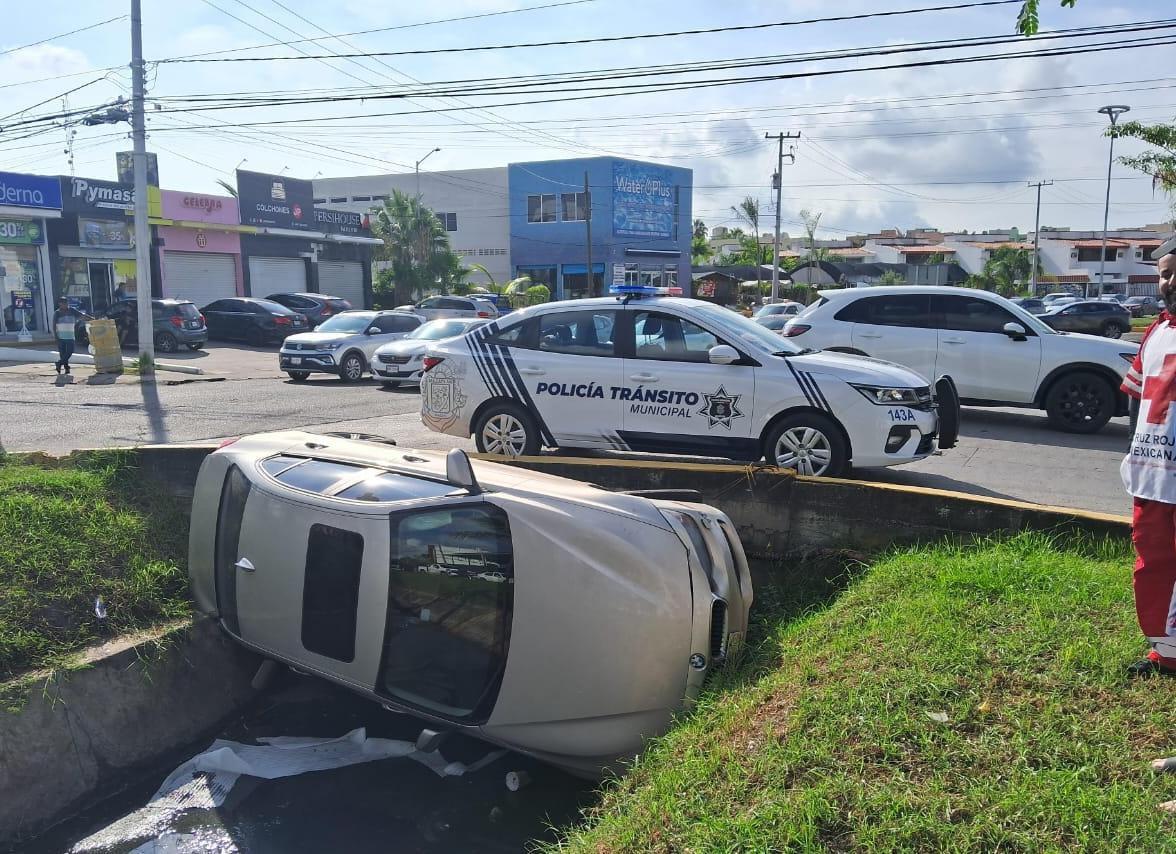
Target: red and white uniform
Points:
(1149, 474)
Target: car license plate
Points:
(295, 360)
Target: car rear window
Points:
(187, 310)
(813, 307)
(341, 304)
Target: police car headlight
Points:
(885, 396)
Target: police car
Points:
(647, 371)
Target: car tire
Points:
(351, 368)
(506, 429)
(1112, 330)
(255, 337)
(299, 376)
(165, 342)
(390, 383)
(1080, 402)
(810, 444)
(949, 412)
(197, 346)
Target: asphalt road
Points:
(1002, 452)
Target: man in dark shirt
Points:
(65, 322)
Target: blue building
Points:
(641, 224)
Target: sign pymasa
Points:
(89, 195)
(275, 200)
(644, 200)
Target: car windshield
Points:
(349, 321)
(435, 330)
(740, 329)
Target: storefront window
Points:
(20, 289)
(93, 284)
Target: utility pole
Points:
(778, 182)
(588, 234)
(1112, 112)
(142, 229)
(1036, 235)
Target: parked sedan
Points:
(257, 322)
(774, 322)
(175, 322)
(779, 309)
(1143, 306)
(343, 345)
(314, 307)
(1096, 317)
(401, 361)
(436, 308)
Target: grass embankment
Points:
(71, 533)
(953, 698)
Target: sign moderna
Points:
(29, 191)
(275, 200)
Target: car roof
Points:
(892, 290)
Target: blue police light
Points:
(643, 291)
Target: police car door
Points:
(675, 400)
(573, 374)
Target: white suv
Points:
(995, 352)
(344, 344)
(438, 308)
(678, 376)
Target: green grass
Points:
(954, 698)
(72, 533)
(1138, 324)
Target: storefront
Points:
(94, 244)
(199, 245)
(26, 203)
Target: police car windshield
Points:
(348, 321)
(744, 330)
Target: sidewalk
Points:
(34, 372)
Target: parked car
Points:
(996, 353)
(1031, 304)
(1094, 317)
(1143, 306)
(257, 322)
(1117, 298)
(787, 308)
(774, 322)
(1059, 298)
(344, 344)
(465, 595)
(400, 362)
(436, 308)
(314, 307)
(175, 322)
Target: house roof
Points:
(1007, 244)
(925, 250)
(1097, 244)
(1143, 279)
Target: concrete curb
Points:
(81, 734)
(24, 354)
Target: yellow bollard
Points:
(105, 346)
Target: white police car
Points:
(641, 372)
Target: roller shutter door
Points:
(199, 276)
(276, 276)
(342, 279)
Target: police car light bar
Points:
(643, 291)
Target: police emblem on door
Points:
(442, 398)
(720, 408)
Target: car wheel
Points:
(808, 443)
(1080, 402)
(390, 383)
(1112, 330)
(949, 412)
(198, 345)
(165, 342)
(351, 368)
(299, 376)
(507, 430)
(255, 337)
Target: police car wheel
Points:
(1080, 402)
(508, 430)
(808, 443)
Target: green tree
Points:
(537, 294)
(418, 247)
(700, 250)
(700, 229)
(748, 212)
(811, 221)
(228, 188)
(1159, 164)
(892, 277)
(1005, 272)
(1029, 18)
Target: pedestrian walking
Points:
(1149, 475)
(65, 323)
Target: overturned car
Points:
(536, 612)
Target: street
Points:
(1003, 453)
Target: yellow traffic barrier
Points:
(105, 346)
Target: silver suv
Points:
(343, 345)
(437, 308)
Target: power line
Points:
(63, 35)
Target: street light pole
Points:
(142, 228)
(1036, 236)
(1112, 111)
(417, 169)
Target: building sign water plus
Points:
(644, 200)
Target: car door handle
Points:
(244, 564)
(532, 372)
(954, 341)
(643, 378)
(869, 334)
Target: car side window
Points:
(971, 314)
(330, 591)
(218, 305)
(387, 323)
(588, 332)
(403, 323)
(458, 304)
(431, 302)
(668, 337)
(909, 310)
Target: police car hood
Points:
(857, 369)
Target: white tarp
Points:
(205, 780)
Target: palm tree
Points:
(748, 211)
(700, 230)
(229, 188)
(416, 244)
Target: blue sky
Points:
(869, 157)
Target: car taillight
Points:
(431, 362)
(282, 320)
(794, 329)
(176, 322)
(202, 320)
(226, 442)
(483, 314)
(326, 311)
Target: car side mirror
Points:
(459, 471)
(723, 354)
(371, 330)
(1015, 331)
